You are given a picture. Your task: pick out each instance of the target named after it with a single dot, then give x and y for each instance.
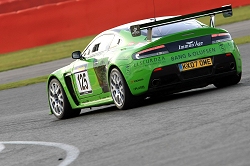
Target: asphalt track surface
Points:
(236, 30)
(205, 127)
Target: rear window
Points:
(172, 28)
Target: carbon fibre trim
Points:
(71, 90)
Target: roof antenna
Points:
(154, 19)
(149, 34)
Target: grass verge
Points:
(23, 83)
(239, 14)
(242, 40)
(42, 54)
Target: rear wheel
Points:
(119, 90)
(227, 81)
(58, 101)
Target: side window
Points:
(105, 42)
(102, 43)
(86, 52)
(116, 42)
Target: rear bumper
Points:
(171, 80)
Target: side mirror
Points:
(76, 55)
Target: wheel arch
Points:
(73, 102)
(48, 82)
(109, 71)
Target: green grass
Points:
(242, 40)
(23, 82)
(42, 54)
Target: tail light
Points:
(221, 37)
(153, 51)
(157, 69)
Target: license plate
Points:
(195, 64)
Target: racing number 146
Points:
(83, 84)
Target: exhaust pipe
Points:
(156, 82)
(232, 66)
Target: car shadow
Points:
(98, 110)
(175, 96)
(189, 93)
(148, 101)
(152, 100)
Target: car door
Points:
(89, 73)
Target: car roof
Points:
(127, 26)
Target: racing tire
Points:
(228, 81)
(58, 101)
(119, 90)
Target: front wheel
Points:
(119, 90)
(58, 101)
(227, 81)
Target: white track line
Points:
(72, 152)
(1, 147)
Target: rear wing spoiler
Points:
(136, 29)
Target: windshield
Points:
(165, 30)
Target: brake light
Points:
(153, 51)
(221, 37)
(157, 69)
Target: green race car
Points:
(133, 61)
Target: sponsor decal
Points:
(145, 62)
(134, 81)
(127, 69)
(222, 47)
(140, 44)
(190, 44)
(177, 57)
(207, 51)
(80, 68)
(135, 30)
(131, 43)
(140, 87)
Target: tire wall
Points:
(59, 21)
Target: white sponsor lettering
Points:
(190, 44)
